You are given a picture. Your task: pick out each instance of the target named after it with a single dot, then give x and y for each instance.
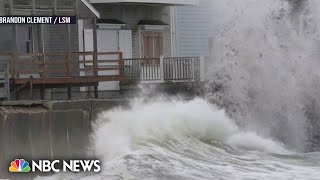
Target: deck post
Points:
(202, 69)
(121, 64)
(96, 95)
(13, 65)
(68, 64)
(162, 68)
(42, 96)
(95, 55)
(69, 92)
(31, 87)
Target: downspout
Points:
(173, 25)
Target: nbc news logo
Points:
(22, 166)
(19, 165)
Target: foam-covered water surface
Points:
(177, 139)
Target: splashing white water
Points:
(177, 139)
(266, 66)
(120, 131)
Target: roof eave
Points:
(91, 8)
(167, 2)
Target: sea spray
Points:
(265, 71)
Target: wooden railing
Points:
(142, 69)
(162, 69)
(58, 64)
(181, 68)
(102, 66)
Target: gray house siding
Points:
(192, 30)
(48, 38)
(2, 8)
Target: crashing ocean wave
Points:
(177, 139)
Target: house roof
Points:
(152, 22)
(110, 21)
(169, 2)
(46, 8)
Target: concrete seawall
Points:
(47, 130)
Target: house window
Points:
(24, 36)
(152, 44)
(6, 38)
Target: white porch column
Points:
(202, 69)
(173, 25)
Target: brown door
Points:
(152, 45)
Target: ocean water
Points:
(177, 139)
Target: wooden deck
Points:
(57, 69)
(84, 69)
(65, 80)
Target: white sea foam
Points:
(120, 130)
(178, 139)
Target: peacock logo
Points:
(19, 165)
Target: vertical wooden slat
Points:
(13, 56)
(121, 64)
(180, 69)
(67, 60)
(69, 91)
(31, 87)
(95, 56)
(149, 68)
(44, 66)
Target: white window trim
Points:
(154, 27)
(110, 26)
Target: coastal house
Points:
(142, 30)
(113, 45)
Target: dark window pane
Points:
(21, 2)
(24, 38)
(6, 40)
